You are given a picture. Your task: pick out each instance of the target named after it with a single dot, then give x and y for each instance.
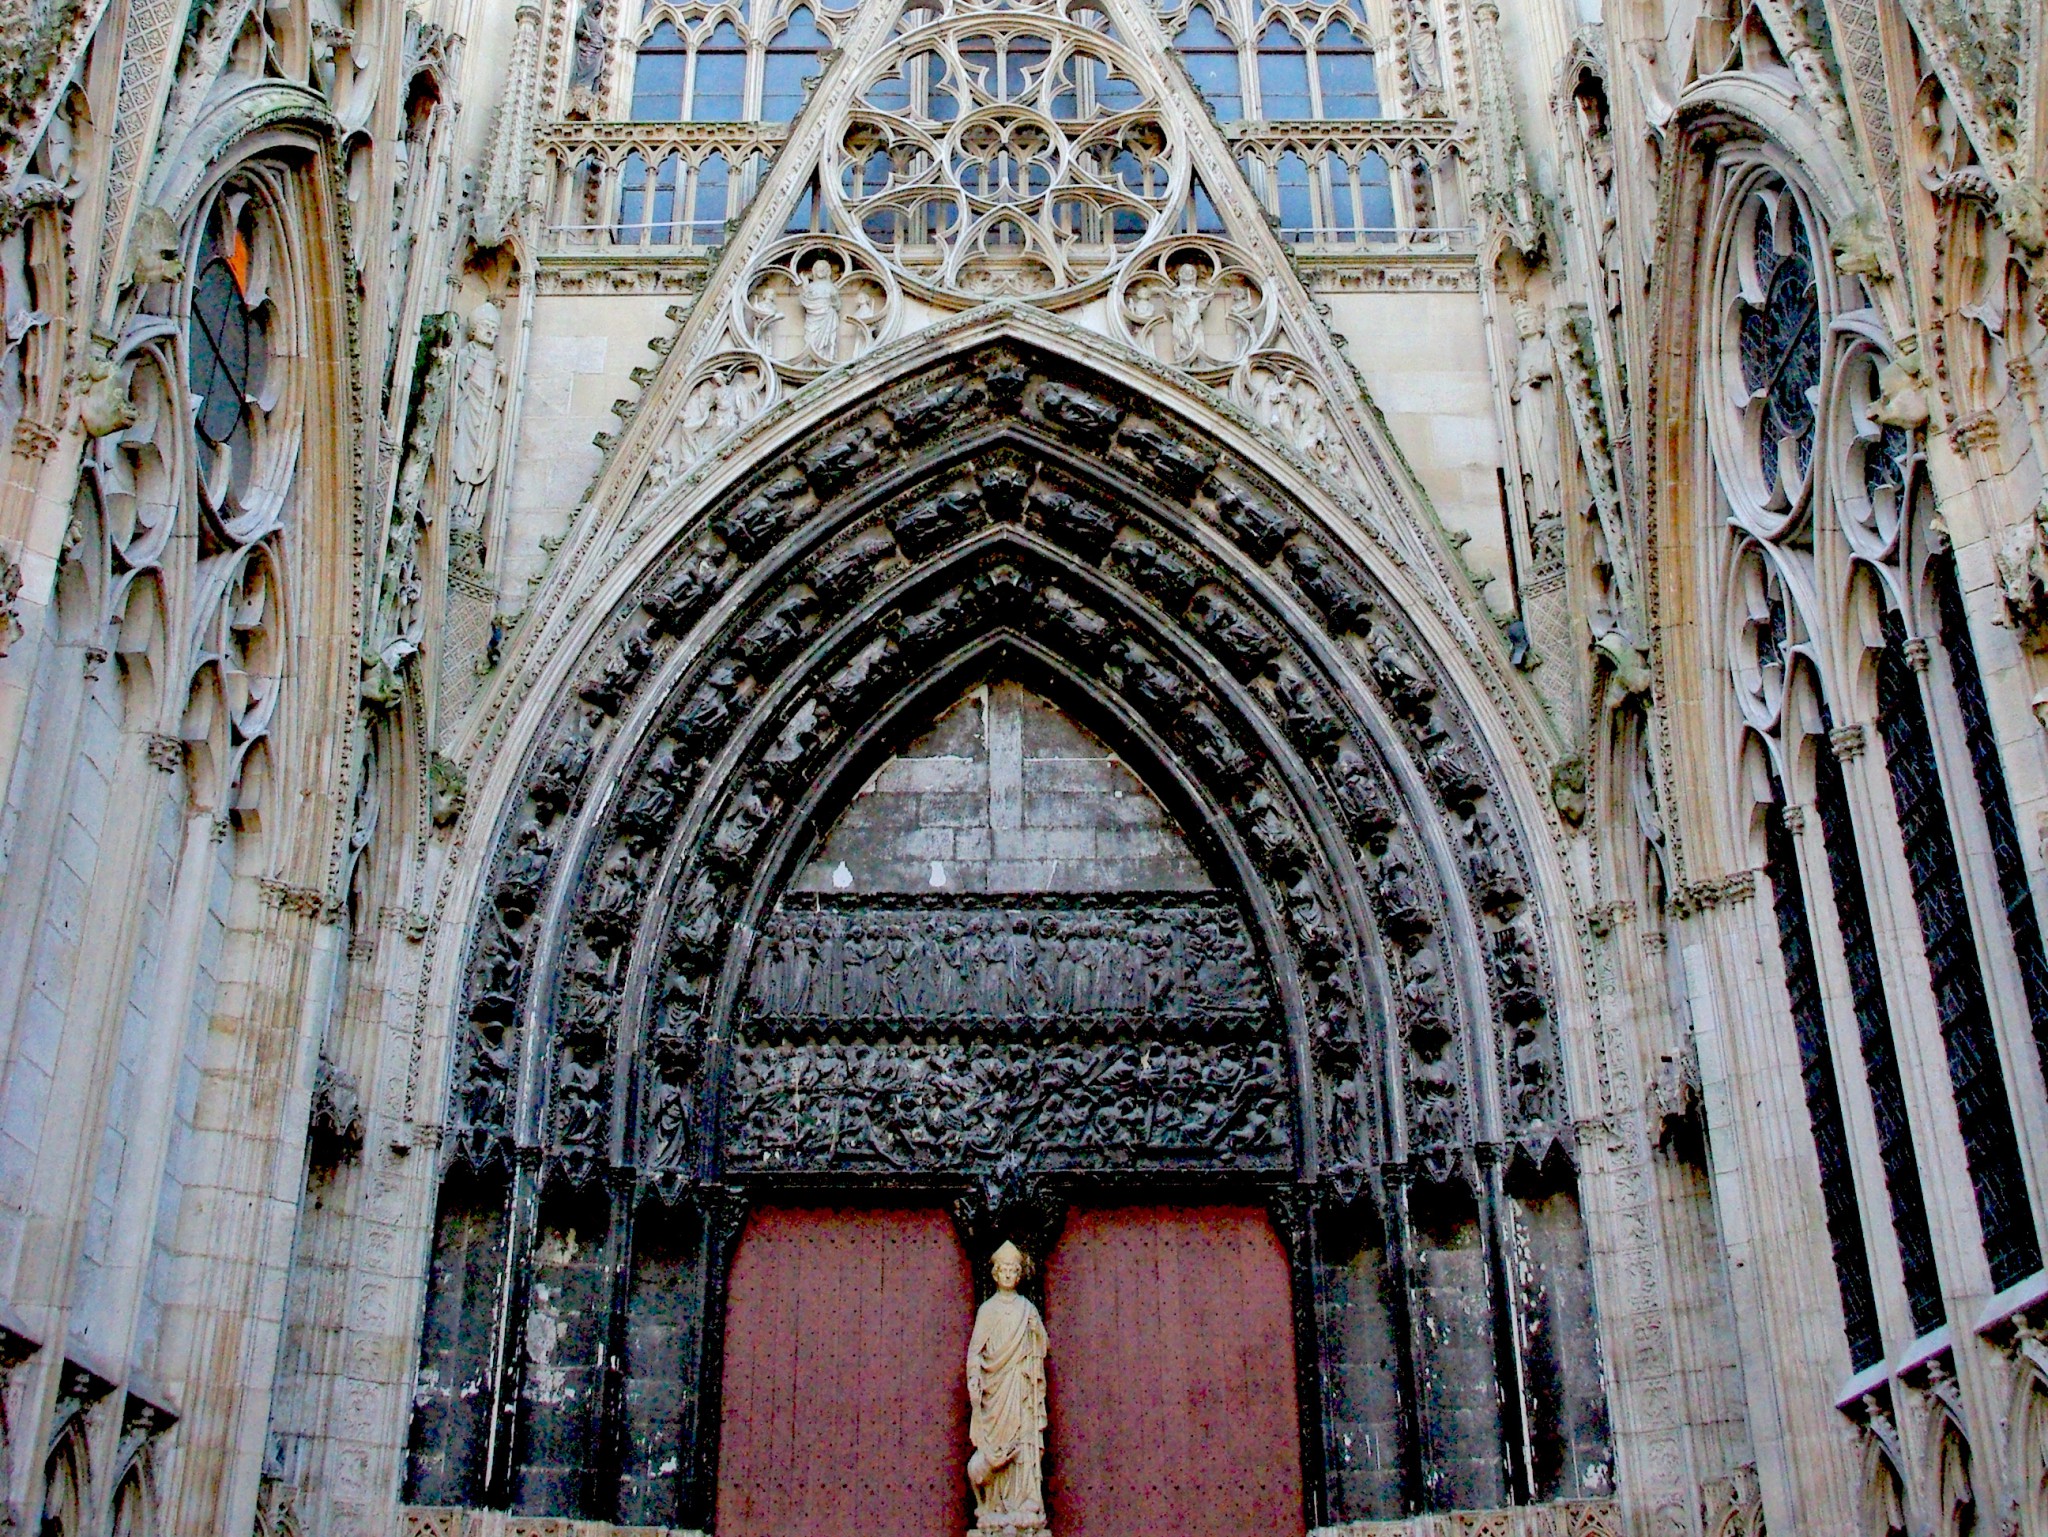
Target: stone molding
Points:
(1562, 1518)
(448, 1521)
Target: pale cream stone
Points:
(1006, 1396)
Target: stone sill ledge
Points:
(1565, 1518)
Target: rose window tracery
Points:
(1004, 154)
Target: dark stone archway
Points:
(1005, 517)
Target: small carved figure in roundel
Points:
(1195, 307)
(814, 303)
(730, 390)
(1282, 394)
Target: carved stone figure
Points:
(1006, 1400)
(1534, 395)
(473, 454)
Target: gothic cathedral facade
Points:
(1341, 705)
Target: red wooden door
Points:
(845, 1407)
(1171, 1369)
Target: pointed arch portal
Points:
(1011, 805)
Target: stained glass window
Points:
(1344, 65)
(1781, 345)
(226, 337)
(719, 83)
(1212, 61)
(658, 76)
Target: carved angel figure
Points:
(1006, 1397)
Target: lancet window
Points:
(1817, 490)
(1278, 64)
(724, 66)
(1817, 1078)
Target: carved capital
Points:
(1848, 742)
(166, 753)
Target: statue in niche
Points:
(820, 299)
(1006, 1398)
(815, 310)
(478, 416)
(1534, 397)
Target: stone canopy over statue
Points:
(1006, 1399)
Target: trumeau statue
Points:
(1006, 1397)
(478, 413)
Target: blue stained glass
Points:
(792, 59)
(1350, 83)
(1283, 76)
(719, 92)
(1376, 194)
(658, 77)
(1297, 211)
(1212, 61)
(1780, 348)
(713, 178)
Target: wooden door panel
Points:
(1172, 1374)
(844, 1404)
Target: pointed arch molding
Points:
(1005, 510)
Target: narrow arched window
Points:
(708, 211)
(718, 84)
(1375, 196)
(659, 70)
(1990, 1142)
(1292, 200)
(1283, 76)
(1345, 70)
(1212, 61)
(631, 228)
(792, 59)
(1817, 1080)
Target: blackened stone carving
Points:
(580, 1118)
(612, 901)
(779, 630)
(621, 675)
(1216, 744)
(1256, 525)
(1275, 842)
(1165, 456)
(1088, 417)
(1156, 686)
(698, 918)
(1491, 865)
(526, 874)
(1327, 585)
(560, 780)
(648, 814)
(731, 846)
(828, 968)
(1244, 645)
(1404, 914)
(1087, 630)
(1454, 771)
(589, 1002)
(762, 518)
(1004, 480)
(848, 689)
(936, 521)
(1362, 798)
(674, 606)
(1401, 681)
(851, 568)
(710, 708)
(1516, 973)
(496, 975)
(950, 1106)
(834, 465)
(1154, 570)
(1078, 524)
(803, 736)
(1310, 722)
(924, 414)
